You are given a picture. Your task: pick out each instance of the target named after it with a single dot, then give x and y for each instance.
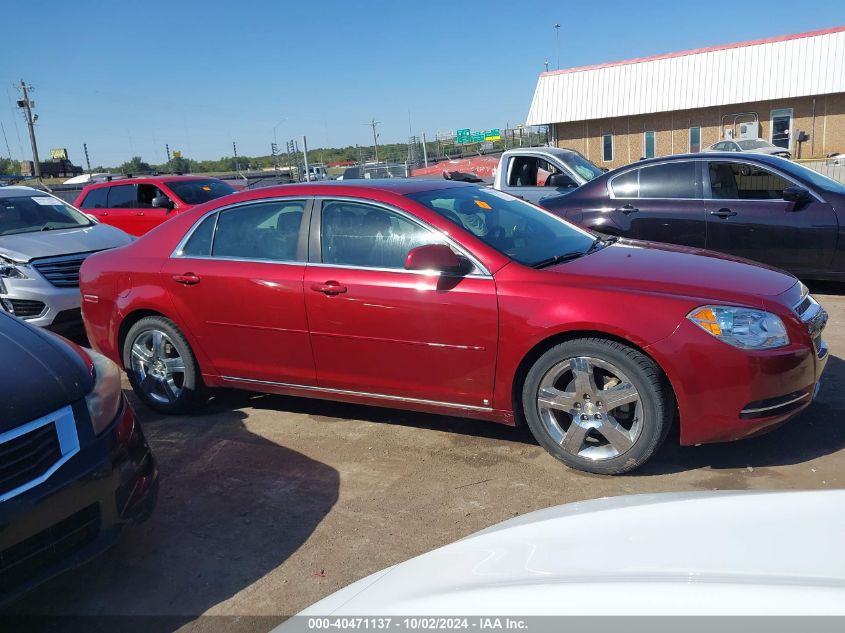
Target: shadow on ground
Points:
(233, 506)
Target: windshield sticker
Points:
(483, 205)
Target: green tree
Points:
(180, 165)
(8, 166)
(135, 166)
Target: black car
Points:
(756, 206)
(74, 464)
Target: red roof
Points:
(696, 51)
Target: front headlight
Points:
(10, 271)
(105, 399)
(745, 328)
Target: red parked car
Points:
(455, 299)
(138, 205)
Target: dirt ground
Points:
(270, 503)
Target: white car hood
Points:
(674, 554)
(23, 247)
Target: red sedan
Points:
(451, 298)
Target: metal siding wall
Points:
(776, 70)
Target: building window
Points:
(695, 139)
(648, 145)
(607, 148)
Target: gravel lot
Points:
(270, 503)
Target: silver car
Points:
(754, 145)
(43, 242)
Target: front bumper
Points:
(40, 303)
(726, 394)
(77, 512)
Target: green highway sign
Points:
(464, 136)
(477, 137)
(493, 135)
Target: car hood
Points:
(23, 247)
(678, 270)
(701, 553)
(40, 373)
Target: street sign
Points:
(177, 153)
(477, 137)
(464, 136)
(493, 135)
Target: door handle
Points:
(189, 279)
(723, 213)
(329, 288)
(627, 209)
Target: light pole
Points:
(557, 42)
(547, 65)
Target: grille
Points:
(23, 308)
(62, 272)
(28, 456)
(48, 547)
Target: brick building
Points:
(791, 90)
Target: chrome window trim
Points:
(68, 444)
(451, 242)
(365, 394)
(775, 406)
(705, 179)
(177, 252)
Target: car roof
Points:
(401, 186)
(733, 156)
(135, 179)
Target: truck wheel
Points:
(162, 368)
(597, 405)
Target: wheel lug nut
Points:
(598, 404)
(598, 416)
(586, 396)
(577, 405)
(585, 417)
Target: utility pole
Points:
(87, 160)
(373, 124)
(274, 152)
(546, 63)
(425, 152)
(237, 163)
(557, 40)
(26, 105)
(167, 149)
(305, 159)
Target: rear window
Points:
(199, 191)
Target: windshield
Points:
(754, 144)
(199, 191)
(581, 166)
(39, 212)
(520, 230)
(819, 180)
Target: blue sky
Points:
(128, 77)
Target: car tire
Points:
(565, 400)
(162, 368)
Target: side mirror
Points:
(797, 195)
(437, 257)
(162, 202)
